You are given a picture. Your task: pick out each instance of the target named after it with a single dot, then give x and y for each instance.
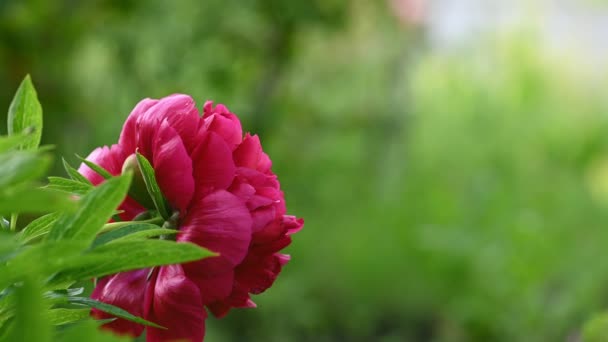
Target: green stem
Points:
(14, 217)
(108, 227)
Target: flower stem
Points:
(14, 217)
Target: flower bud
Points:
(138, 190)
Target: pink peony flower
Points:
(227, 199)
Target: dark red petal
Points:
(213, 287)
(270, 247)
(213, 165)
(220, 222)
(239, 298)
(271, 232)
(257, 273)
(173, 167)
(176, 304)
(292, 224)
(124, 290)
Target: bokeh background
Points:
(450, 157)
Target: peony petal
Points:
(213, 287)
(186, 125)
(110, 158)
(176, 104)
(257, 179)
(257, 273)
(213, 165)
(242, 190)
(254, 197)
(147, 124)
(292, 224)
(128, 135)
(258, 201)
(176, 304)
(271, 232)
(249, 154)
(263, 217)
(239, 298)
(173, 167)
(221, 223)
(283, 258)
(264, 247)
(125, 290)
(227, 126)
(208, 109)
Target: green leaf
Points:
(69, 185)
(22, 199)
(74, 174)
(131, 255)
(25, 114)
(111, 309)
(153, 189)
(18, 167)
(95, 209)
(43, 259)
(30, 321)
(148, 230)
(146, 234)
(98, 169)
(11, 141)
(39, 227)
(61, 316)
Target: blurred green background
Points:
(453, 190)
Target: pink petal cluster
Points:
(229, 201)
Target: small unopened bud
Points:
(138, 190)
(131, 164)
